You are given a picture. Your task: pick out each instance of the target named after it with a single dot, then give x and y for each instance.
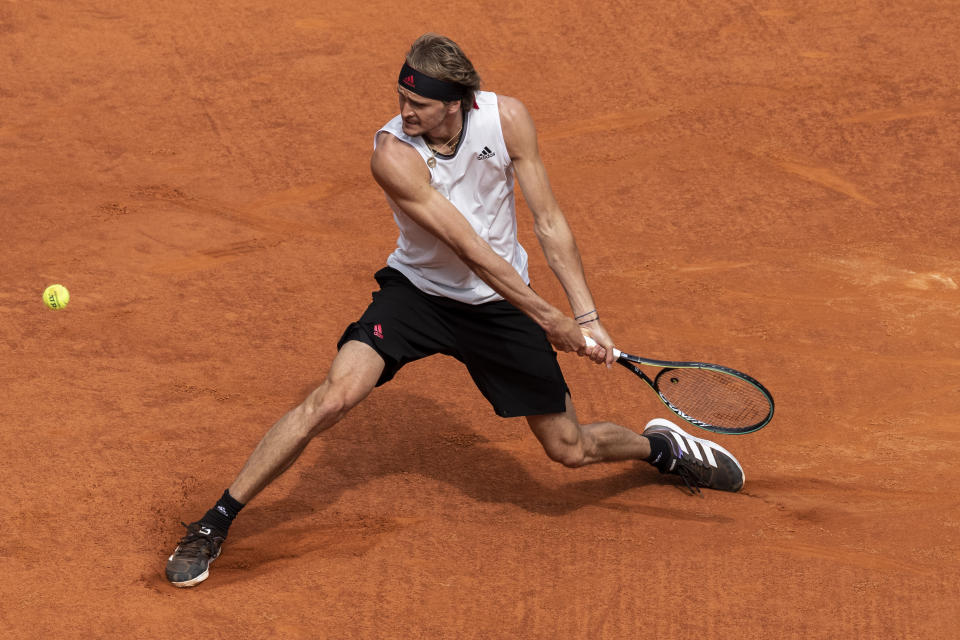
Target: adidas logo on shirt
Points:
(486, 153)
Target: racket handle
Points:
(591, 342)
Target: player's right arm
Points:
(402, 174)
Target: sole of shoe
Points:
(190, 583)
(661, 422)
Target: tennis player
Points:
(457, 284)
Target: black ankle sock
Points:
(659, 452)
(223, 513)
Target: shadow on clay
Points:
(394, 433)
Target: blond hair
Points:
(441, 58)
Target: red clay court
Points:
(767, 185)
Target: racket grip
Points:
(591, 342)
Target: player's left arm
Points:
(553, 232)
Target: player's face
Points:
(420, 115)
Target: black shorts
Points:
(507, 354)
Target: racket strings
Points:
(714, 397)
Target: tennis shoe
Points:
(698, 462)
(189, 564)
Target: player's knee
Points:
(326, 406)
(569, 455)
(332, 405)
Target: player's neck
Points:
(446, 136)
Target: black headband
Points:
(423, 85)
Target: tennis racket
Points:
(708, 396)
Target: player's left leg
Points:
(698, 462)
(574, 445)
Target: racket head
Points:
(715, 398)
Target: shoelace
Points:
(690, 473)
(193, 535)
(690, 470)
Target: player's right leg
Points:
(352, 376)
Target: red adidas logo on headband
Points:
(409, 80)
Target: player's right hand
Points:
(564, 334)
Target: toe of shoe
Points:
(179, 570)
(186, 578)
(180, 575)
(731, 478)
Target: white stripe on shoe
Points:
(680, 441)
(710, 459)
(689, 444)
(692, 444)
(686, 441)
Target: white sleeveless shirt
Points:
(478, 180)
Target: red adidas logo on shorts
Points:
(378, 331)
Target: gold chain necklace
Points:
(432, 160)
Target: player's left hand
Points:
(602, 352)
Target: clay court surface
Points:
(768, 185)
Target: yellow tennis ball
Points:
(56, 296)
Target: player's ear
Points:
(453, 106)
